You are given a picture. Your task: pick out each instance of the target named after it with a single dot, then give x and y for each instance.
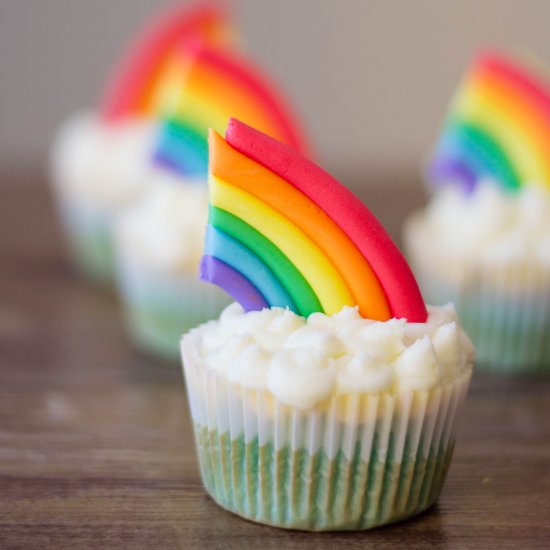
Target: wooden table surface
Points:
(96, 449)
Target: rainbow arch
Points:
(318, 246)
(207, 86)
(133, 87)
(498, 127)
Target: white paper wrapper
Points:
(160, 307)
(505, 309)
(355, 462)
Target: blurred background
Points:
(371, 78)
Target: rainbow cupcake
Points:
(100, 158)
(159, 238)
(326, 398)
(483, 241)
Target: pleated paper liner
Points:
(356, 462)
(160, 307)
(505, 309)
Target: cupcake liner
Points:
(355, 462)
(507, 312)
(88, 232)
(160, 307)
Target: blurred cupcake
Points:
(158, 238)
(483, 241)
(307, 414)
(100, 159)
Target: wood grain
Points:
(96, 448)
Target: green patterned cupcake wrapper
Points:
(356, 462)
(160, 307)
(88, 232)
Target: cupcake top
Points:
(303, 362)
(286, 240)
(490, 173)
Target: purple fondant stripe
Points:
(219, 273)
(447, 170)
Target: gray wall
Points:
(371, 77)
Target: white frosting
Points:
(164, 228)
(303, 362)
(105, 164)
(492, 225)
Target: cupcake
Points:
(159, 238)
(319, 401)
(100, 158)
(483, 241)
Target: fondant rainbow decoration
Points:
(208, 87)
(282, 232)
(498, 127)
(133, 88)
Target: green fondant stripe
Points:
(297, 286)
(183, 147)
(196, 137)
(490, 152)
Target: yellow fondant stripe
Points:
(317, 269)
(208, 111)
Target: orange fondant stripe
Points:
(207, 109)
(233, 167)
(528, 83)
(210, 87)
